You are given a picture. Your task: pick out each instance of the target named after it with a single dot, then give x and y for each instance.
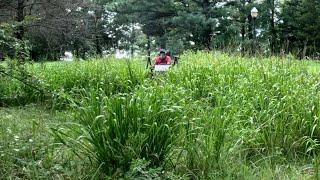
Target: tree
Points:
(152, 15)
(299, 30)
(272, 30)
(198, 18)
(54, 26)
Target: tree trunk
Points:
(132, 39)
(98, 46)
(243, 26)
(272, 28)
(149, 51)
(162, 41)
(77, 52)
(19, 19)
(83, 54)
(305, 43)
(314, 49)
(250, 33)
(287, 46)
(97, 42)
(243, 34)
(208, 29)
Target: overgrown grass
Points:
(214, 116)
(62, 81)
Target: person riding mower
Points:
(162, 62)
(162, 58)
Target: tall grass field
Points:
(214, 116)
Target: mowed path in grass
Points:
(313, 66)
(28, 149)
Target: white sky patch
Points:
(79, 9)
(137, 26)
(216, 33)
(259, 32)
(91, 12)
(122, 54)
(220, 4)
(259, 1)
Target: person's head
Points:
(162, 54)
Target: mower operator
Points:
(162, 58)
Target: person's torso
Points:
(166, 60)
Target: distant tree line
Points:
(44, 29)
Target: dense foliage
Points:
(214, 116)
(99, 27)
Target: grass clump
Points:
(125, 127)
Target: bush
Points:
(126, 127)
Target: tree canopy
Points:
(44, 29)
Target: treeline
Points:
(45, 29)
